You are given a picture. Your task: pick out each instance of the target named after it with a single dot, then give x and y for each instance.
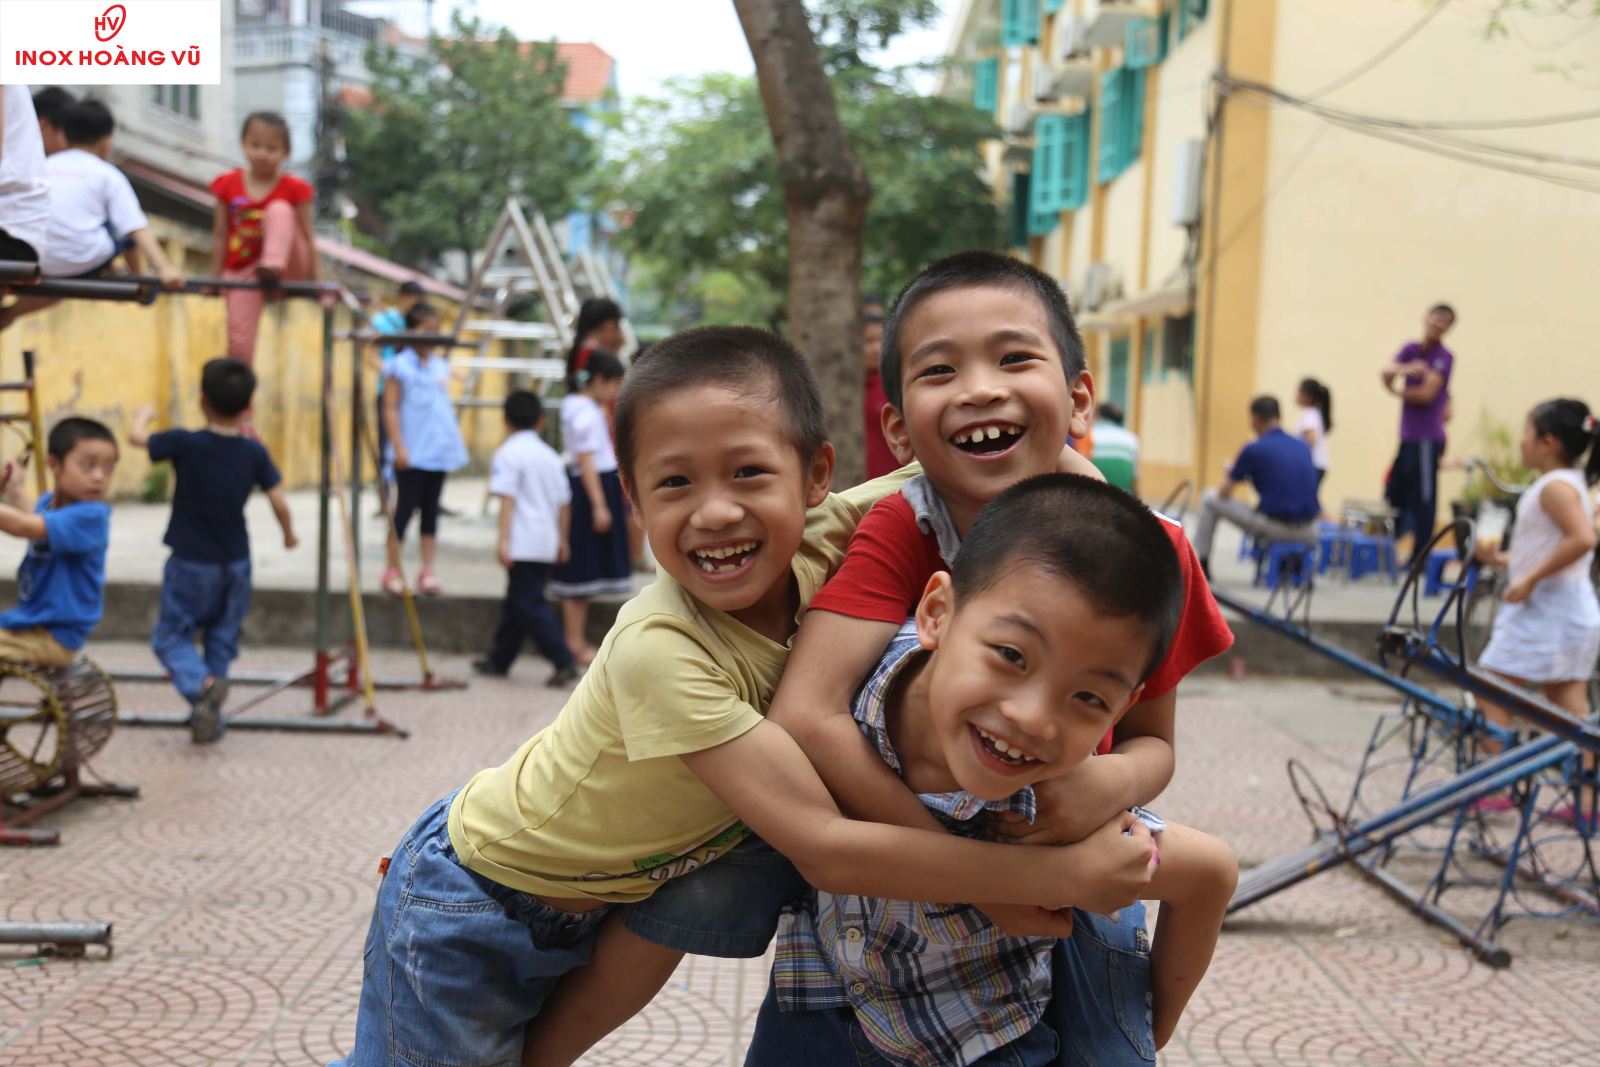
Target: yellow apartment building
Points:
(1237, 194)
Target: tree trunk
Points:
(825, 192)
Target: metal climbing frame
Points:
(1418, 802)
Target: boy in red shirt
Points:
(261, 230)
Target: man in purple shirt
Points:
(1420, 377)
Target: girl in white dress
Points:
(1315, 423)
(1547, 633)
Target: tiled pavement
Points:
(240, 886)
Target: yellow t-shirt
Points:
(598, 804)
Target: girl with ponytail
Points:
(1315, 423)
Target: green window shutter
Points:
(1018, 221)
(1019, 22)
(1108, 166)
(1042, 222)
(1133, 123)
(986, 84)
(1075, 162)
(1145, 42)
(1117, 372)
(1198, 8)
(1049, 138)
(1052, 6)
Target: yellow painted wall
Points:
(1365, 235)
(105, 360)
(1179, 116)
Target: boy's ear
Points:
(935, 610)
(52, 464)
(820, 477)
(894, 433)
(1081, 390)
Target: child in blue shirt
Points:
(61, 582)
(206, 583)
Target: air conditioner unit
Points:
(1099, 285)
(1072, 34)
(1019, 119)
(1187, 178)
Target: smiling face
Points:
(986, 400)
(84, 473)
(1025, 679)
(722, 495)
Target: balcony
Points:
(1106, 22)
(263, 47)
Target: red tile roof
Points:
(589, 70)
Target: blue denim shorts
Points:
(728, 908)
(456, 965)
(1099, 1013)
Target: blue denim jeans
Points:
(195, 597)
(728, 908)
(456, 965)
(1099, 1013)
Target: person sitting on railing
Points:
(262, 228)
(24, 189)
(94, 212)
(1285, 480)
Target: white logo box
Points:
(121, 42)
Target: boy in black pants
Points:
(206, 583)
(534, 493)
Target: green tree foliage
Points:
(450, 137)
(701, 189)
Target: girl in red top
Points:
(261, 230)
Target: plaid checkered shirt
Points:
(933, 985)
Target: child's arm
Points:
(309, 232)
(502, 548)
(564, 529)
(280, 511)
(1194, 882)
(590, 477)
(20, 523)
(146, 243)
(1565, 508)
(392, 390)
(139, 432)
(219, 238)
(764, 778)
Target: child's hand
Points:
(1071, 806)
(1520, 590)
(144, 413)
(171, 278)
(602, 520)
(503, 553)
(290, 541)
(564, 552)
(1112, 867)
(1020, 920)
(402, 462)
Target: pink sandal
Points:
(428, 583)
(393, 582)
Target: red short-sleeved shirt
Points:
(244, 214)
(890, 560)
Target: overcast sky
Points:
(652, 40)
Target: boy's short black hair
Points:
(270, 119)
(228, 386)
(758, 364)
(1112, 412)
(411, 288)
(975, 268)
(66, 434)
(524, 409)
(86, 122)
(1447, 309)
(50, 102)
(1099, 538)
(420, 313)
(1266, 408)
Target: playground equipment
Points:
(1416, 805)
(336, 677)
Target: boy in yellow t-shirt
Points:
(662, 761)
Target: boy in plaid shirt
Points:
(1064, 598)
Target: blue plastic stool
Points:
(1333, 540)
(1433, 582)
(1291, 562)
(1371, 554)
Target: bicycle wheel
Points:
(1483, 601)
